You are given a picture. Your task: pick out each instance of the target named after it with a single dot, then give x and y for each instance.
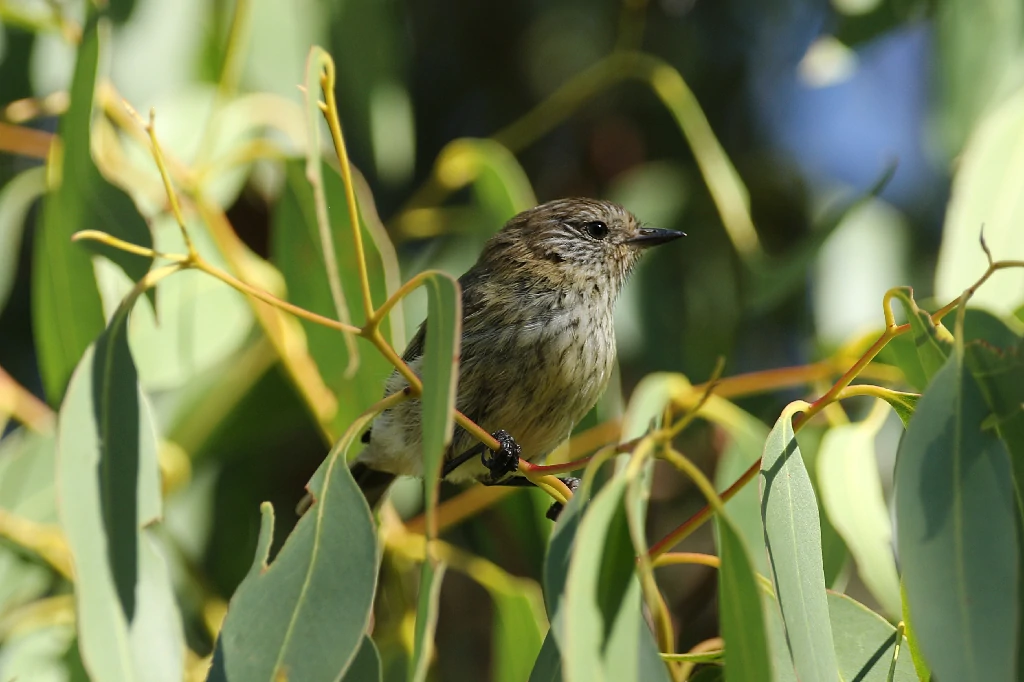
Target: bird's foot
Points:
(504, 460)
(555, 510)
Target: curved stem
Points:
(270, 299)
(696, 558)
(327, 81)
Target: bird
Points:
(537, 345)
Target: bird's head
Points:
(573, 241)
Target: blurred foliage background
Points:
(814, 102)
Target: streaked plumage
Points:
(538, 340)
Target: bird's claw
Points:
(573, 484)
(504, 460)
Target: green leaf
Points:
(978, 51)
(66, 309)
(902, 352)
(319, 588)
(603, 635)
(747, 436)
(834, 553)
(296, 250)
(985, 195)
(920, 667)
(518, 634)
(35, 654)
(981, 325)
(499, 183)
(954, 516)
(933, 341)
(789, 512)
(109, 495)
(198, 322)
(431, 577)
(365, 667)
(999, 373)
(16, 198)
(739, 598)
(903, 404)
(548, 666)
(28, 478)
(864, 643)
(440, 370)
(851, 493)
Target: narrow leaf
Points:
(109, 495)
(789, 512)
(851, 492)
(431, 577)
(739, 599)
(518, 633)
(16, 198)
(66, 310)
(440, 370)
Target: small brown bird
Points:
(538, 342)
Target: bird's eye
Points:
(596, 229)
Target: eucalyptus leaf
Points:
(109, 497)
(319, 587)
(16, 199)
(851, 491)
(789, 512)
(955, 529)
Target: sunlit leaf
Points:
(864, 644)
(109, 496)
(985, 197)
(66, 309)
(198, 321)
(955, 530)
(977, 55)
(923, 673)
(747, 436)
(517, 635)
(851, 492)
(603, 633)
(16, 198)
(789, 512)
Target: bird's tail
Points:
(372, 483)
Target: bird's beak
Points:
(652, 236)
